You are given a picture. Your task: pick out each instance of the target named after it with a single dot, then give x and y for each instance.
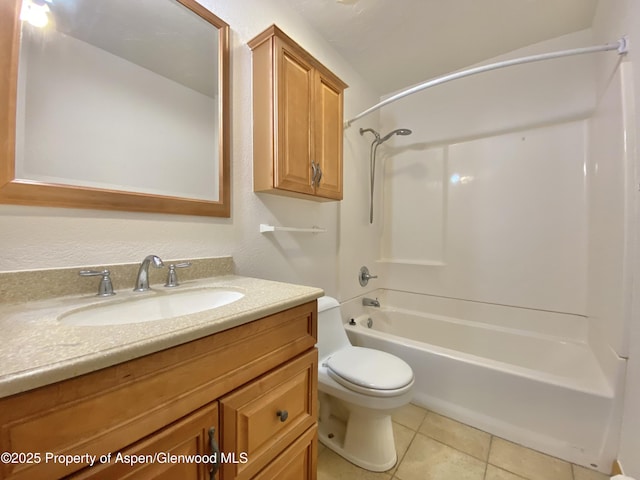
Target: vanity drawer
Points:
(110, 409)
(268, 415)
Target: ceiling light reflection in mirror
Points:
(36, 12)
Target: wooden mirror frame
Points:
(27, 192)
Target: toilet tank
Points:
(331, 333)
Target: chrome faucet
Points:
(370, 302)
(105, 289)
(142, 281)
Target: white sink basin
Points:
(151, 308)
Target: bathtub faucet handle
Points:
(365, 276)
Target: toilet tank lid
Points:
(325, 303)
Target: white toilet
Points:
(359, 388)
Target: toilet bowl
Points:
(359, 388)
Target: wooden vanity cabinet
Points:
(246, 397)
(297, 120)
(290, 392)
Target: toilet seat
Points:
(370, 372)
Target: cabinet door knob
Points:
(283, 414)
(215, 453)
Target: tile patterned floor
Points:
(433, 447)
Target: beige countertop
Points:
(37, 349)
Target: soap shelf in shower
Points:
(264, 228)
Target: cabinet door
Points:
(263, 418)
(298, 462)
(294, 110)
(328, 132)
(169, 454)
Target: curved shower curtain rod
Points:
(620, 46)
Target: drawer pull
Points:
(283, 414)
(215, 452)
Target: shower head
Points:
(377, 135)
(399, 131)
(378, 140)
(372, 157)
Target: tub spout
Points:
(370, 302)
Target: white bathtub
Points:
(543, 391)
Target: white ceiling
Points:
(398, 43)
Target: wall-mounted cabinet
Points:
(297, 120)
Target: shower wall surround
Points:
(528, 197)
(611, 192)
(500, 219)
(614, 214)
(497, 166)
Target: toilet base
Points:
(365, 440)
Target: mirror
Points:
(119, 105)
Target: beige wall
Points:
(40, 237)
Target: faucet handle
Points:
(105, 289)
(365, 276)
(172, 276)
